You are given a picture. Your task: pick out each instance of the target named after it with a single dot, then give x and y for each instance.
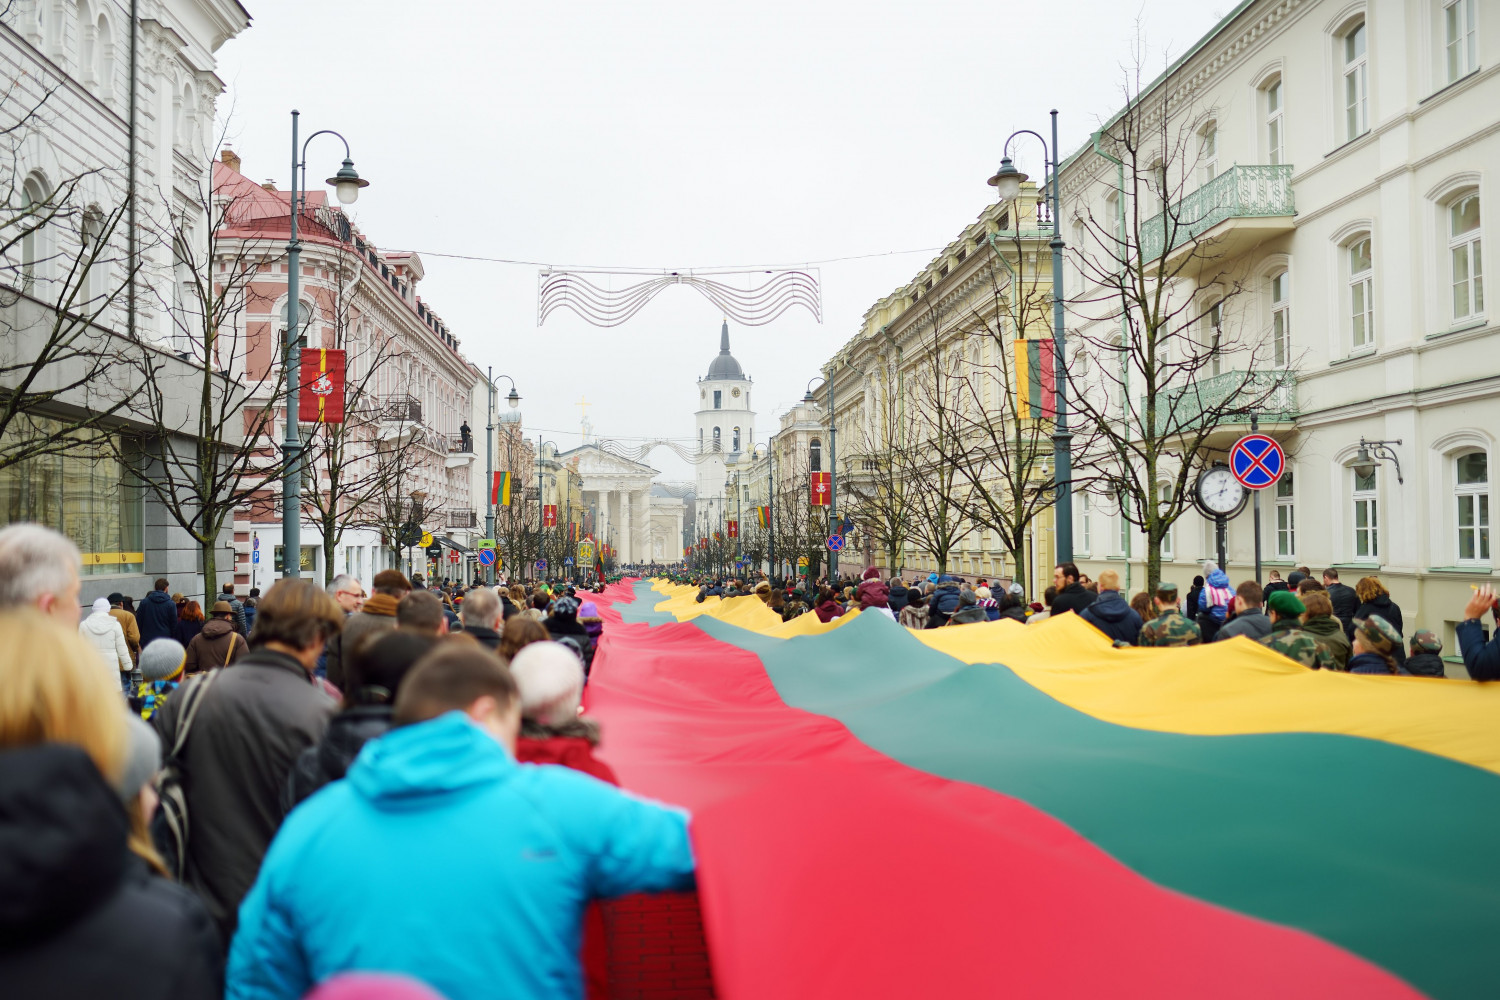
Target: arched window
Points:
(1465, 255)
(1353, 45)
(815, 455)
(718, 443)
(306, 316)
(34, 236)
(1208, 152)
(1471, 491)
(736, 440)
(1364, 495)
(1360, 271)
(1281, 319)
(96, 275)
(700, 440)
(1272, 106)
(104, 58)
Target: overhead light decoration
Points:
(755, 306)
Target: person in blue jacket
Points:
(1481, 658)
(440, 857)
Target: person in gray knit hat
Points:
(161, 671)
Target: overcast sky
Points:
(673, 135)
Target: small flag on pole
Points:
(1036, 379)
(500, 489)
(763, 516)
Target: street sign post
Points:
(486, 557)
(1257, 461)
(255, 555)
(835, 542)
(568, 561)
(541, 565)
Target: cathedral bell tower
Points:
(726, 430)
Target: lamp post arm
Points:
(303, 164)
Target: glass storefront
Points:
(87, 495)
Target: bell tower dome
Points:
(726, 426)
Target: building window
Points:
(86, 493)
(1366, 517)
(1213, 322)
(1208, 153)
(700, 440)
(718, 442)
(718, 399)
(1085, 531)
(1465, 256)
(1275, 149)
(1124, 532)
(1361, 294)
(1169, 539)
(34, 212)
(1459, 40)
(815, 455)
(1471, 487)
(1281, 320)
(1286, 516)
(736, 439)
(1356, 83)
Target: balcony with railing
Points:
(1239, 208)
(400, 408)
(1229, 398)
(463, 519)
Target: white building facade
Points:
(1347, 164)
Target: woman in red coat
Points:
(550, 678)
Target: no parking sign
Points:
(1257, 461)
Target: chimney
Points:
(270, 184)
(230, 158)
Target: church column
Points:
(627, 523)
(602, 527)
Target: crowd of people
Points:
(318, 791)
(1318, 622)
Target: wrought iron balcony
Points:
(463, 519)
(460, 443)
(1271, 394)
(1258, 191)
(401, 408)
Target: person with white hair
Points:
(39, 569)
(549, 676)
(104, 633)
(481, 616)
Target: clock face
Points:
(735, 393)
(1219, 491)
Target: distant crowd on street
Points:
(340, 792)
(1316, 621)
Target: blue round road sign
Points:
(835, 542)
(541, 565)
(486, 557)
(1257, 461)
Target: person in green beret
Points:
(1285, 610)
(1170, 627)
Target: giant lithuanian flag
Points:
(1001, 810)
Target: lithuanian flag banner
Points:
(763, 516)
(1006, 810)
(1036, 379)
(500, 489)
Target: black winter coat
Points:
(1112, 615)
(1074, 597)
(331, 759)
(80, 916)
(1425, 665)
(254, 722)
(157, 617)
(897, 599)
(1345, 605)
(1382, 606)
(486, 637)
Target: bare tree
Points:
(877, 492)
(210, 447)
(800, 527)
(1169, 356)
(63, 273)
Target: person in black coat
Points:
(1071, 595)
(157, 615)
(1346, 602)
(80, 914)
(1425, 659)
(897, 597)
(375, 674)
(1111, 613)
(1374, 599)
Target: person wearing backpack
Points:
(234, 736)
(1213, 601)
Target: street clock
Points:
(1218, 493)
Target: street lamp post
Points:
(346, 184)
(1007, 182)
(833, 472)
(514, 399)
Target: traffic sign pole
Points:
(1255, 500)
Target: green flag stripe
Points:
(1381, 849)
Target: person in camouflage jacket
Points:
(1170, 627)
(1284, 609)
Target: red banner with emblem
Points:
(734, 529)
(822, 488)
(549, 515)
(320, 398)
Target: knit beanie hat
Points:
(162, 659)
(983, 593)
(1378, 634)
(142, 757)
(101, 606)
(1286, 604)
(871, 574)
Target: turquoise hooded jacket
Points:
(442, 858)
